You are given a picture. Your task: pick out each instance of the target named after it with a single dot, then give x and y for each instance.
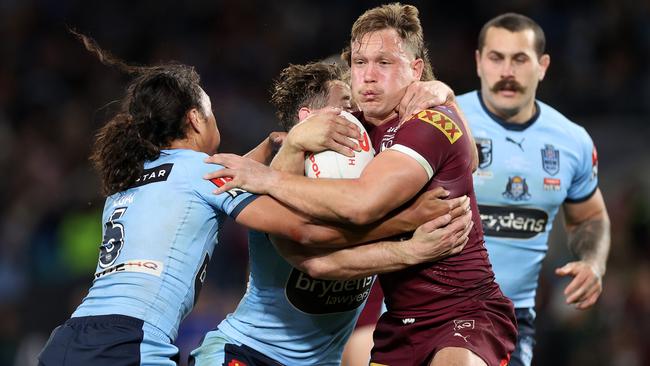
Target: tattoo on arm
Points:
(590, 241)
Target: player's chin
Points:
(508, 100)
(508, 106)
(376, 110)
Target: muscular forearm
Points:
(289, 160)
(432, 241)
(590, 241)
(318, 235)
(354, 262)
(324, 199)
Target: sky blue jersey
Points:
(158, 238)
(290, 316)
(526, 171)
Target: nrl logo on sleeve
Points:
(484, 147)
(550, 159)
(220, 182)
(445, 124)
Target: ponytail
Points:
(152, 116)
(119, 153)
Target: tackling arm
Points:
(391, 179)
(268, 215)
(431, 241)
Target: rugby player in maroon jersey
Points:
(441, 313)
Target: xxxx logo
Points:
(445, 124)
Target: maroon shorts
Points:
(486, 327)
(372, 310)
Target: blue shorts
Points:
(108, 340)
(218, 349)
(523, 354)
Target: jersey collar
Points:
(508, 125)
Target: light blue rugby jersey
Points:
(290, 316)
(525, 173)
(158, 239)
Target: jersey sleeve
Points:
(585, 180)
(231, 202)
(428, 137)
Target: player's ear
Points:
(477, 57)
(303, 113)
(417, 66)
(194, 120)
(544, 63)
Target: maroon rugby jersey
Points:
(439, 137)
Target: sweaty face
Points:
(510, 71)
(382, 68)
(339, 95)
(212, 137)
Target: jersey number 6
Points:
(113, 239)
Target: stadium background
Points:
(53, 95)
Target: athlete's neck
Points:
(519, 117)
(186, 144)
(378, 120)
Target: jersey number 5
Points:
(113, 239)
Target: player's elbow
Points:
(363, 214)
(322, 268)
(312, 235)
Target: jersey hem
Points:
(583, 199)
(415, 155)
(242, 205)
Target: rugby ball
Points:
(330, 164)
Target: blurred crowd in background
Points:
(54, 95)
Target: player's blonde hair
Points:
(406, 22)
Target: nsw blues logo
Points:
(550, 159)
(517, 189)
(484, 147)
(113, 239)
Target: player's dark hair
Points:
(406, 22)
(302, 86)
(152, 115)
(514, 23)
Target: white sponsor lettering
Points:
(325, 287)
(153, 174)
(124, 200)
(347, 299)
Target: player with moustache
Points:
(441, 313)
(291, 313)
(533, 161)
(161, 222)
